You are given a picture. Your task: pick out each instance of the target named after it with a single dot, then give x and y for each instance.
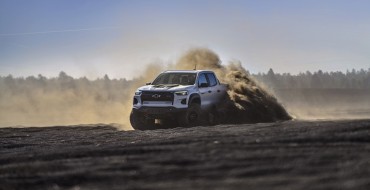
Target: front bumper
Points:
(159, 112)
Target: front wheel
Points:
(191, 117)
(140, 122)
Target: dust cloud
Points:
(40, 101)
(247, 102)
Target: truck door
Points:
(214, 88)
(205, 92)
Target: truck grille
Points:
(157, 96)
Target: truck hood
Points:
(165, 87)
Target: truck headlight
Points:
(138, 93)
(181, 93)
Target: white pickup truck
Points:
(178, 97)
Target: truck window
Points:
(175, 78)
(212, 79)
(202, 79)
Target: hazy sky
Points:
(117, 37)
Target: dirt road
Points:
(287, 155)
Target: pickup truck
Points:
(182, 96)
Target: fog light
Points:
(135, 101)
(183, 101)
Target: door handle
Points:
(209, 91)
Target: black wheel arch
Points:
(195, 98)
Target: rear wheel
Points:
(140, 122)
(191, 117)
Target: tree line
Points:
(105, 87)
(355, 79)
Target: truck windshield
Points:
(175, 78)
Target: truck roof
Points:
(186, 71)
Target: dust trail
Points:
(41, 101)
(247, 101)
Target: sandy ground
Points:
(287, 155)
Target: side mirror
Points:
(148, 83)
(203, 85)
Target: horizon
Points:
(348, 71)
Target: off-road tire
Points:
(190, 117)
(140, 122)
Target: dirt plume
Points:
(247, 102)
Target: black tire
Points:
(140, 122)
(191, 117)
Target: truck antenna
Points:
(195, 67)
